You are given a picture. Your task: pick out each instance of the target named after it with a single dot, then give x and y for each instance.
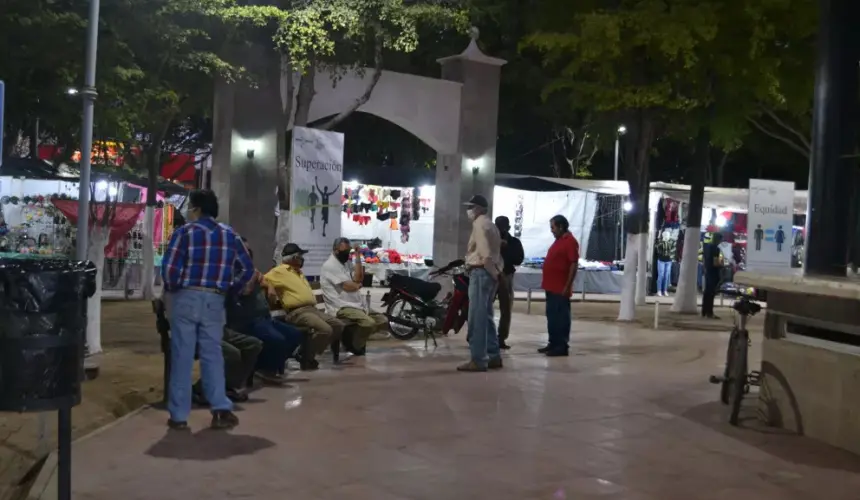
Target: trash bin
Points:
(43, 323)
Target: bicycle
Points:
(736, 380)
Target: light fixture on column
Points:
(628, 206)
(250, 146)
(474, 164)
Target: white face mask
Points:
(471, 214)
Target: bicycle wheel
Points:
(724, 387)
(738, 377)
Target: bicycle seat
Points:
(746, 307)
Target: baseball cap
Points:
(292, 249)
(477, 201)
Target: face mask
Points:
(342, 256)
(471, 214)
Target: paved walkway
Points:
(630, 416)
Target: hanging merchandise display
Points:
(518, 218)
(405, 215)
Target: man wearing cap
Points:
(484, 260)
(299, 302)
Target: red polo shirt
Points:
(563, 253)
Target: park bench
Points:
(162, 326)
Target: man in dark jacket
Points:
(512, 255)
(712, 260)
(249, 313)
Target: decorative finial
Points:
(474, 33)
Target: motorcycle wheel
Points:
(398, 309)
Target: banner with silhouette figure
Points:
(769, 221)
(315, 193)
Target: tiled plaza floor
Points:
(630, 415)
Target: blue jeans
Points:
(483, 338)
(280, 341)
(664, 275)
(558, 321)
(196, 319)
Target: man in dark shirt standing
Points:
(249, 313)
(712, 261)
(512, 255)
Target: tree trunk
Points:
(98, 239)
(153, 164)
(639, 140)
(642, 255)
(287, 91)
(307, 91)
(686, 296)
(721, 170)
(368, 91)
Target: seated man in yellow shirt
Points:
(299, 303)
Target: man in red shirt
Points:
(559, 270)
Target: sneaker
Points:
(380, 336)
(495, 363)
(503, 345)
(307, 365)
(270, 378)
(177, 426)
(224, 419)
(471, 366)
(237, 395)
(543, 350)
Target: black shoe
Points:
(543, 350)
(237, 396)
(503, 345)
(556, 353)
(308, 365)
(177, 426)
(223, 419)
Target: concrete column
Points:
(473, 169)
(244, 154)
(831, 175)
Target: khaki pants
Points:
(506, 304)
(359, 325)
(324, 328)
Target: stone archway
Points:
(457, 115)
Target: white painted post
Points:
(367, 300)
(656, 314)
(583, 292)
(529, 301)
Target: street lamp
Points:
(621, 131)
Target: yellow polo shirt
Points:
(292, 287)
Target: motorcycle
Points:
(411, 305)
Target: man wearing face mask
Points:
(300, 304)
(484, 260)
(341, 289)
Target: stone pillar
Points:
(473, 169)
(244, 155)
(831, 177)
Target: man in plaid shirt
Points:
(204, 261)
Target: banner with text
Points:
(769, 222)
(315, 193)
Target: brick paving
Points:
(630, 415)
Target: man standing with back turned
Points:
(204, 261)
(512, 256)
(484, 261)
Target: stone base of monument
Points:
(810, 371)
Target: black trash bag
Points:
(43, 322)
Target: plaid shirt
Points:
(206, 254)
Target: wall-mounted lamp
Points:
(628, 206)
(475, 165)
(251, 146)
